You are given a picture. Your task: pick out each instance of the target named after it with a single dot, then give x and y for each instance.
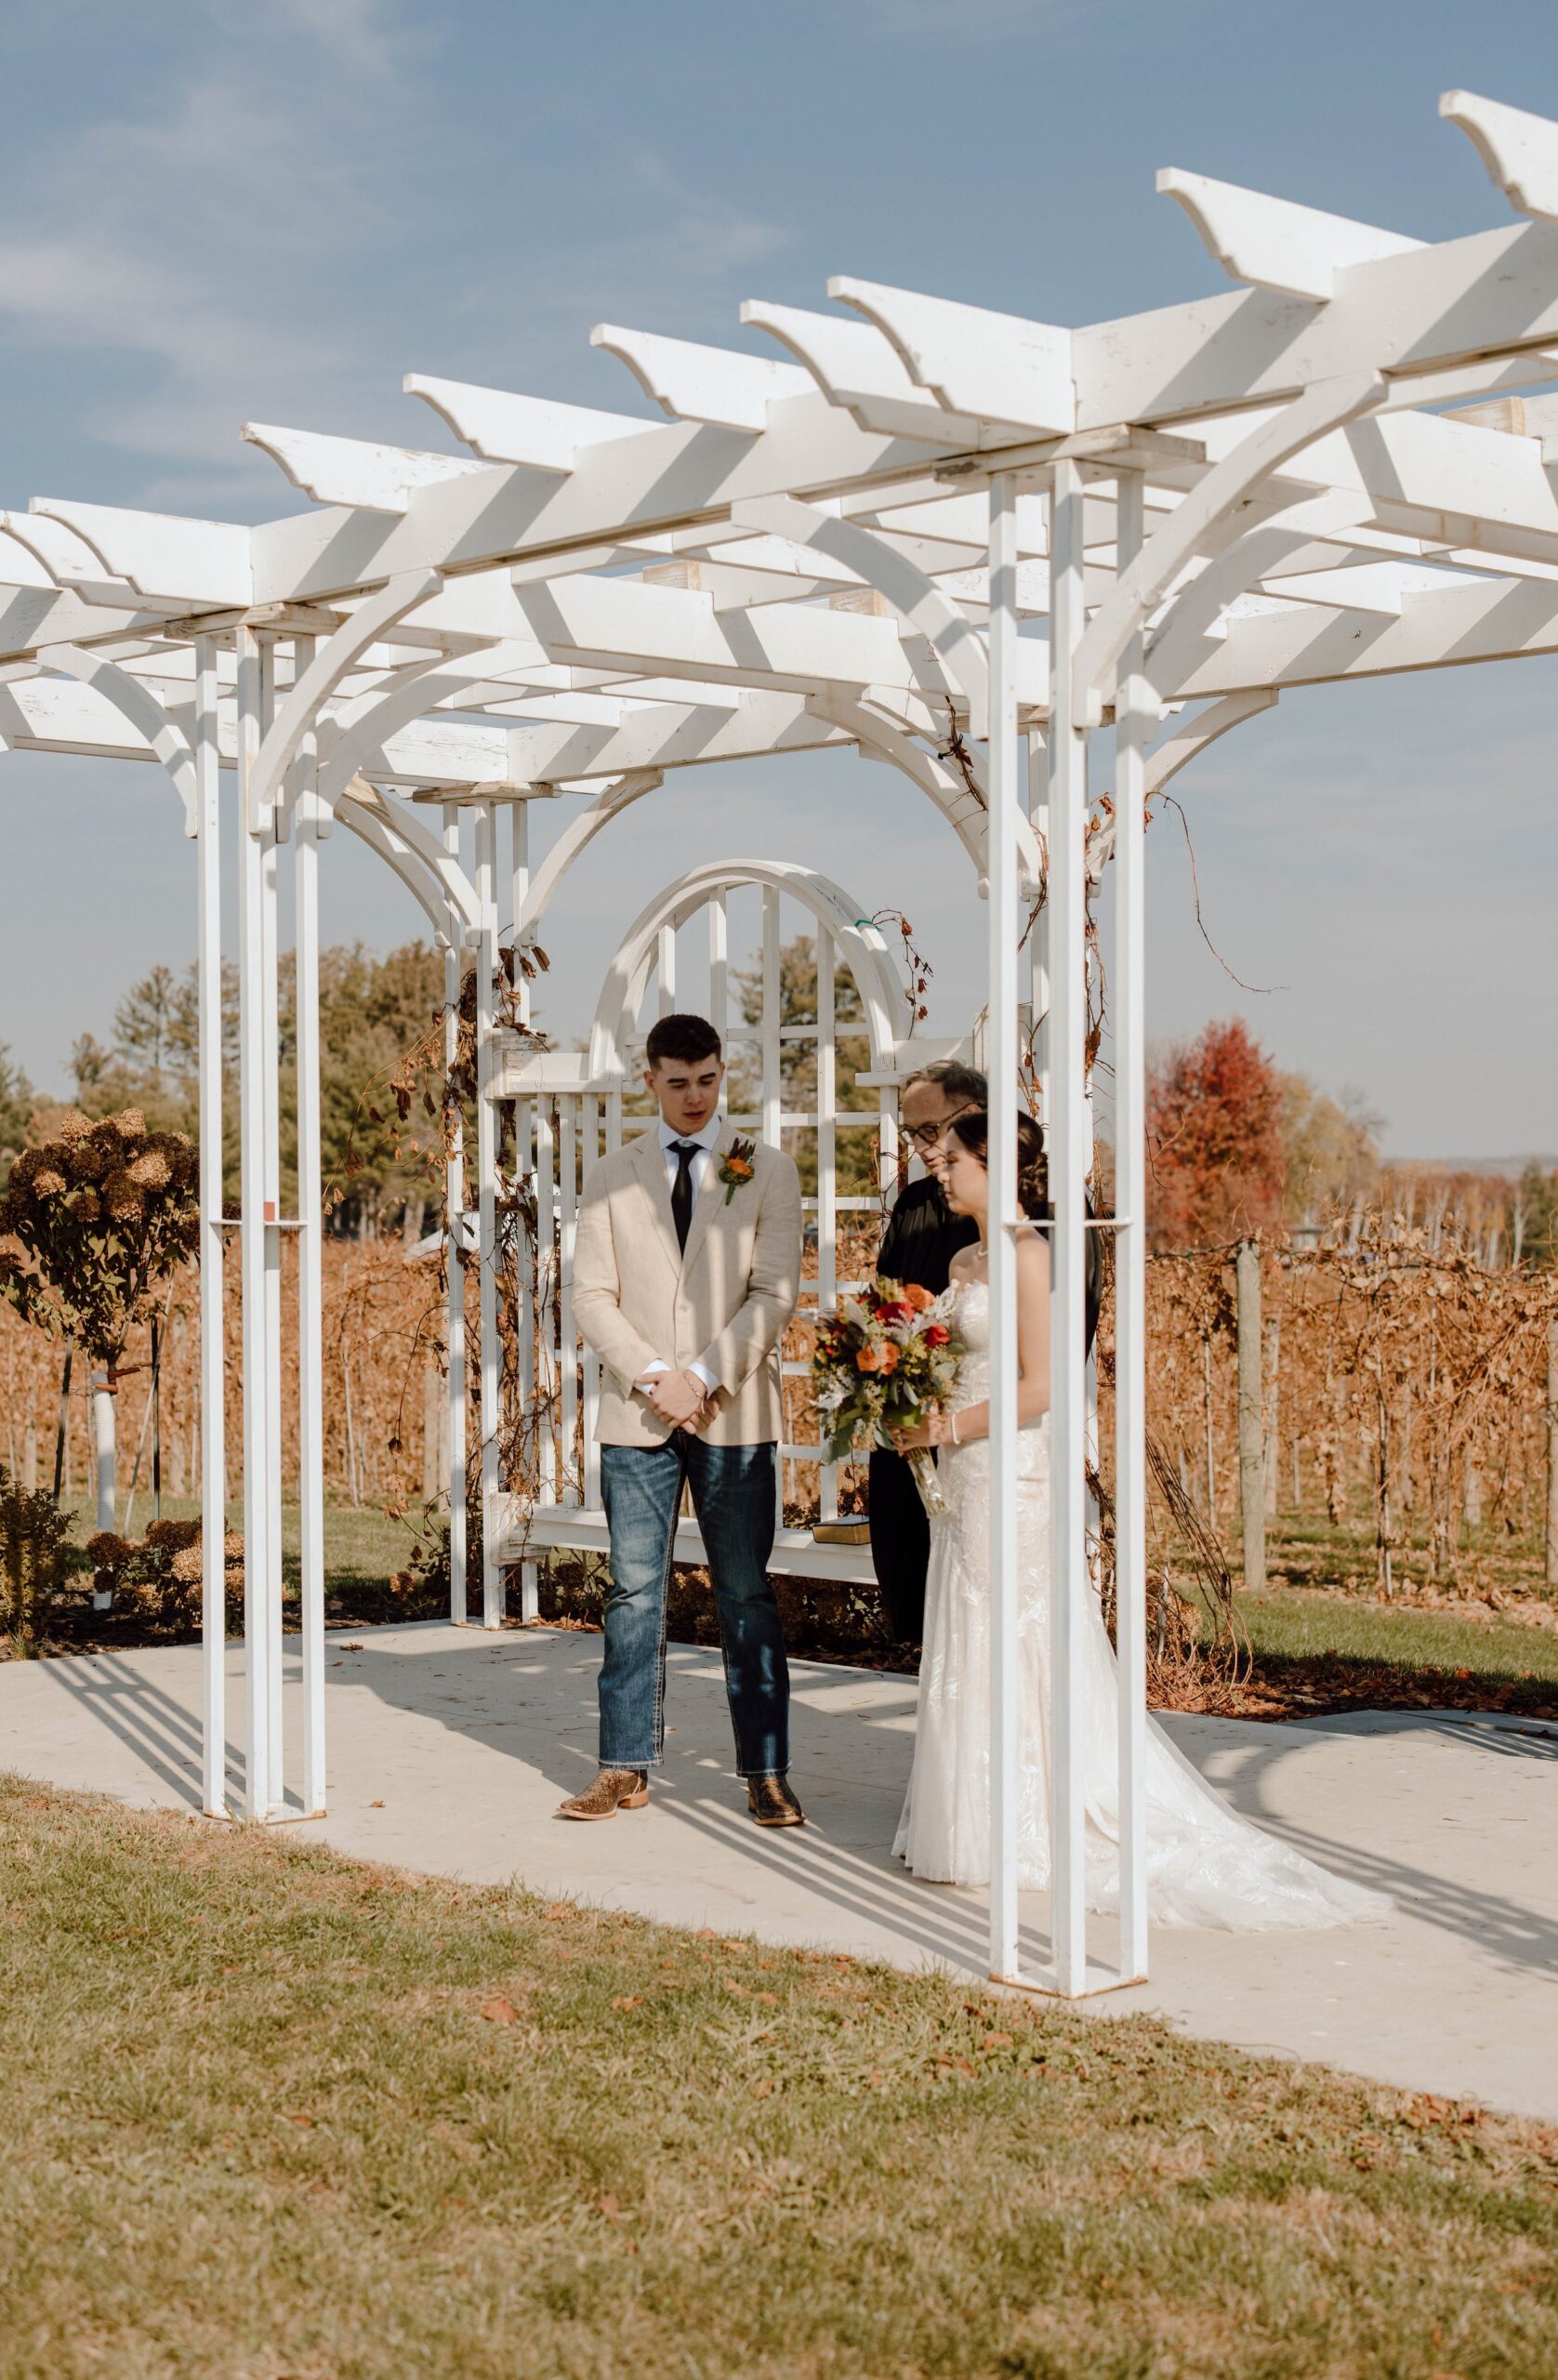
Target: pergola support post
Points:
(1067, 1133)
(260, 1583)
(486, 1166)
(519, 815)
(270, 1006)
(311, 1272)
(213, 1418)
(1005, 789)
(1135, 714)
(453, 1209)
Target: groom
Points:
(686, 1269)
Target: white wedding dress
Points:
(1206, 1866)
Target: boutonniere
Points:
(736, 1167)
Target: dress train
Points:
(1205, 1865)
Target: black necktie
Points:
(682, 1189)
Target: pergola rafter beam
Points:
(657, 479)
(1296, 250)
(351, 471)
(758, 724)
(503, 426)
(708, 384)
(993, 368)
(1501, 620)
(1231, 497)
(1519, 150)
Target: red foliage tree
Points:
(1217, 1169)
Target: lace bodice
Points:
(971, 1324)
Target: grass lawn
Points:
(1316, 1651)
(269, 2115)
(1296, 1625)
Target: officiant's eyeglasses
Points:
(925, 1136)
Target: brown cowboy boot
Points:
(613, 1790)
(771, 1801)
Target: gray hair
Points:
(953, 1079)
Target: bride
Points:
(1206, 1866)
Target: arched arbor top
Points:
(857, 941)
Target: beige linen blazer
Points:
(639, 1298)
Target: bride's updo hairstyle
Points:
(973, 1131)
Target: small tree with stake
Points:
(93, 1221)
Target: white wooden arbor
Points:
(567, 1109)
(917, 515)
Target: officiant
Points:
(922, 1238)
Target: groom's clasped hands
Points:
(681, 1399)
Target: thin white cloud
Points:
(253, 241)
(209, 232)
(669, 257)
(370, 36)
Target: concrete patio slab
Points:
(449, 1750)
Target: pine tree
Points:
(17, 1103)
(143, 1024)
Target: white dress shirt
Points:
(699, 1170)
(705, 1142)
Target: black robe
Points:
(922, 1238)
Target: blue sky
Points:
(210, 212)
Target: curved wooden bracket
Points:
(335, 656)
(1220, 508)
(137, 703)
(917, 600)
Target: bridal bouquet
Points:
(885, 1360)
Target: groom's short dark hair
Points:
(685, 1040)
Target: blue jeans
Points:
(733, 1497)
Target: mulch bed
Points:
(1321, 1684)
(824, 1621)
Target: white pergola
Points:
(920, 516)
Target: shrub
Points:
(34, 1534)
(158, 1576)
(91, 1221)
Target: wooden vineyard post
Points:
(1252, 1463)
(1270, 1436)
(1551, 1566)
(1383, 1526)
